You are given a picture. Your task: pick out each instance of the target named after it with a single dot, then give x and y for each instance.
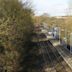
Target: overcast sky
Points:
(53, 7)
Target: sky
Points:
(52, 7)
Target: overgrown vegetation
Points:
(16, 28)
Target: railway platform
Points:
(64, 52)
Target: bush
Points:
(16, 27)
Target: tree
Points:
(16, 27)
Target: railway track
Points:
(53, 62)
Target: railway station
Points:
(35, 35)
(56, 56)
